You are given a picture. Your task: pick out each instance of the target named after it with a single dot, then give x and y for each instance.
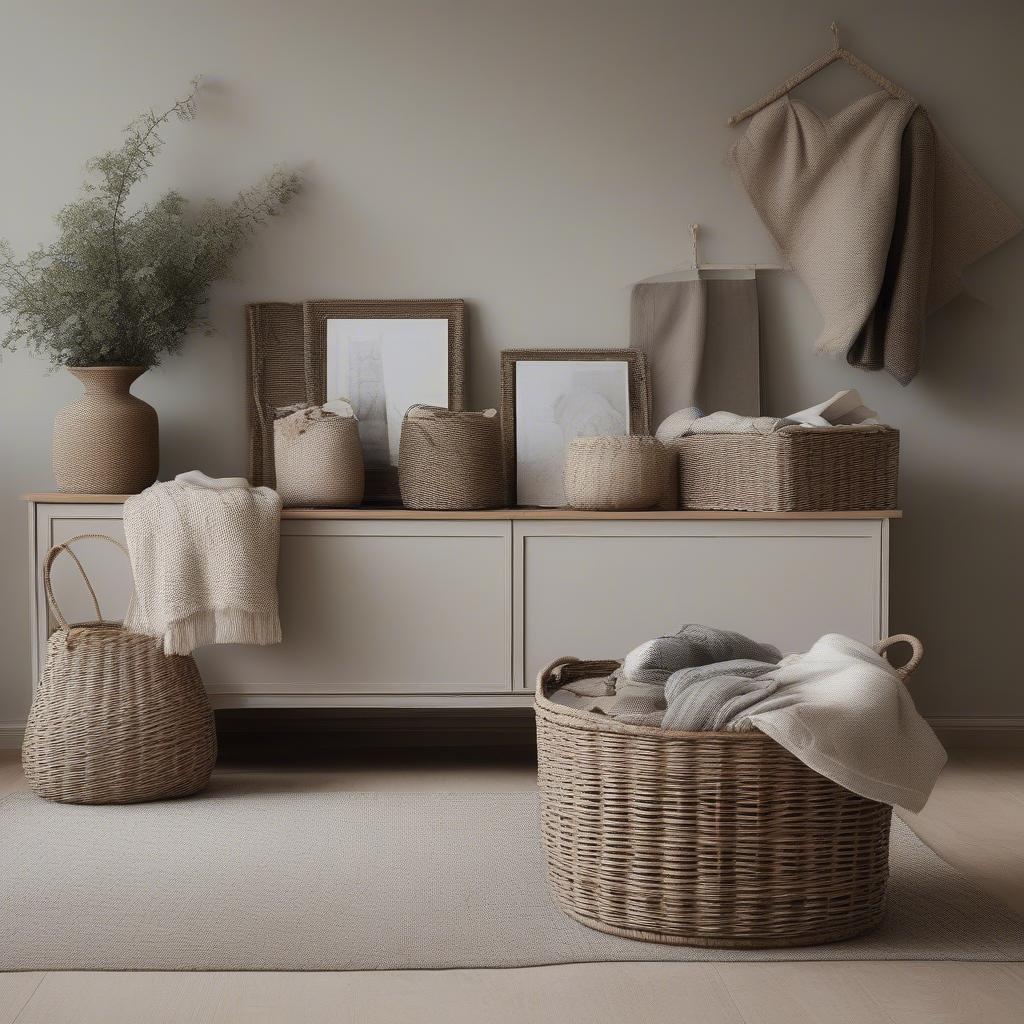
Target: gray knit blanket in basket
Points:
(640, 686)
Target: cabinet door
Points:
(367, 606)
(596, 590)
(381, 607)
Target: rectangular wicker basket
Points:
(796, 469)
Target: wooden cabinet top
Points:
(498, 513)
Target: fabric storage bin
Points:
(450, 461)
(720, 839)
(318, 460)
(614, 473)
(796, 469)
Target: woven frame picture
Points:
(383, 367)
(275, 377)
(637, 399)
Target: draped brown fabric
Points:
(878, 215)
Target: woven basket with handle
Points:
(719, 839)
(114, 719)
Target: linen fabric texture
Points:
(640, 686)
(877, 214)
(702, 343)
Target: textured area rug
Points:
(353, 881)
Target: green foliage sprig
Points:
(123, 288)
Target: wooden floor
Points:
(975, 820)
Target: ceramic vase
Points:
(107, 441)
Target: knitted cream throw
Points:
(204, 560)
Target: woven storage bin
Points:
(318, 460)
(451, 461)
(115, 720)
(796, 469)
(607, 474)
(717, 839)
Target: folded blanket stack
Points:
(843, 409)
(204, 557)
(641, 684)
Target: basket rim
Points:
(784, 434)
(596, 723)
(587, 720)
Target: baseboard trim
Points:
(1003, 726)
(12, 733)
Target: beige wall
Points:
(535, 158)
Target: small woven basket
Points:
(318, 461)
(608, 474)
(720, 839)
(114, 720)
(450, 461)
(796, 469)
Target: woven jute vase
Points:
(719, 839)
(320, 463)
(114, 720)
(607, 474)
(107, 441)
(451, 461)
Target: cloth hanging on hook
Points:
(702, 343)
(877, 258)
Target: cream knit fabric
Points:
(829, 189)
(826, 190)
(843, 710)
(204, 560)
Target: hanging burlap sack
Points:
(451, 461)
(318, 457)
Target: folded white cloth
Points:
(844, 712)
(211, 483)
(844, 408)
(204, 557)
(689, 421)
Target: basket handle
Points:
(917, 651)
(544, 675)
(52, 554)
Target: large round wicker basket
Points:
(720, 839)
(451, 460)
(114, 719)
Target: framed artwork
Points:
(551, 396)
(383, 356)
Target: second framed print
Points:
(551, 396)
(384, 356)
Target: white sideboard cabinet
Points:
(393, 608)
